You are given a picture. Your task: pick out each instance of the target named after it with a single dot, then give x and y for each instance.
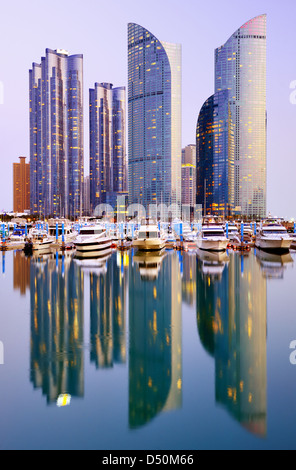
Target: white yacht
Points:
(150, 237)
(212, 236)
(42, 244)
(92, 242)
(170, 240)
(188, 234)
(232, 231)
(39, 240)
(273, 236)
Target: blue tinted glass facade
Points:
(240, 67)
(108, 165)
(154, 119)
(56, 135)
(215, 156)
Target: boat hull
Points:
(42, 246)
(276, 245)
(212, 245)
(93, 254)
(149, 245)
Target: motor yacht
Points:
(38, 240)
(150, 238)
(92, 242)
(232, 231)
(273, 236)
(212, 236)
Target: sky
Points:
(98, 30)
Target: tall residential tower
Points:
(21, 186)
(56, 135)
(154, 119)
(108, 165)
(240, 67)
(215, 156)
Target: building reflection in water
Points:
(189, 278)
(108, 300)
(231, 318)
(155, 374)
(21, 272)
(57, 358)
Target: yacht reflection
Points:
(149, 263)
(93, 266)
(155, 381)
(273, 265)
(56, 294)
(212, 263)
(108, 305)
(231, 319)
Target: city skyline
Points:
(279, 82)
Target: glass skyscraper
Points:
(188, 187)
(108, 165)
(154, 119)
(215, 156)
(56, 135)
(240, 67)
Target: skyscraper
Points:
(240, 67)
(154, 119)
(108, 166)
(215, 156)
(56, 134)
(188, 187)
(21, 185)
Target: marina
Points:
(139, 344)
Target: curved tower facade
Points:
(240, 67)
(154, 119)
(215, 156)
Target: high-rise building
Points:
(108, 165)
(240, 67)
(21, 186)
(86, 196)
(188, 187)
(56, 134)
(215, 156)
(154, 119)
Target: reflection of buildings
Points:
(189, 278)
(57, 364)
(108, 315)
(21, 272)
(231, 317)
(155, 382)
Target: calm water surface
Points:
(165, 352)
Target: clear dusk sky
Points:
(98, 30)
